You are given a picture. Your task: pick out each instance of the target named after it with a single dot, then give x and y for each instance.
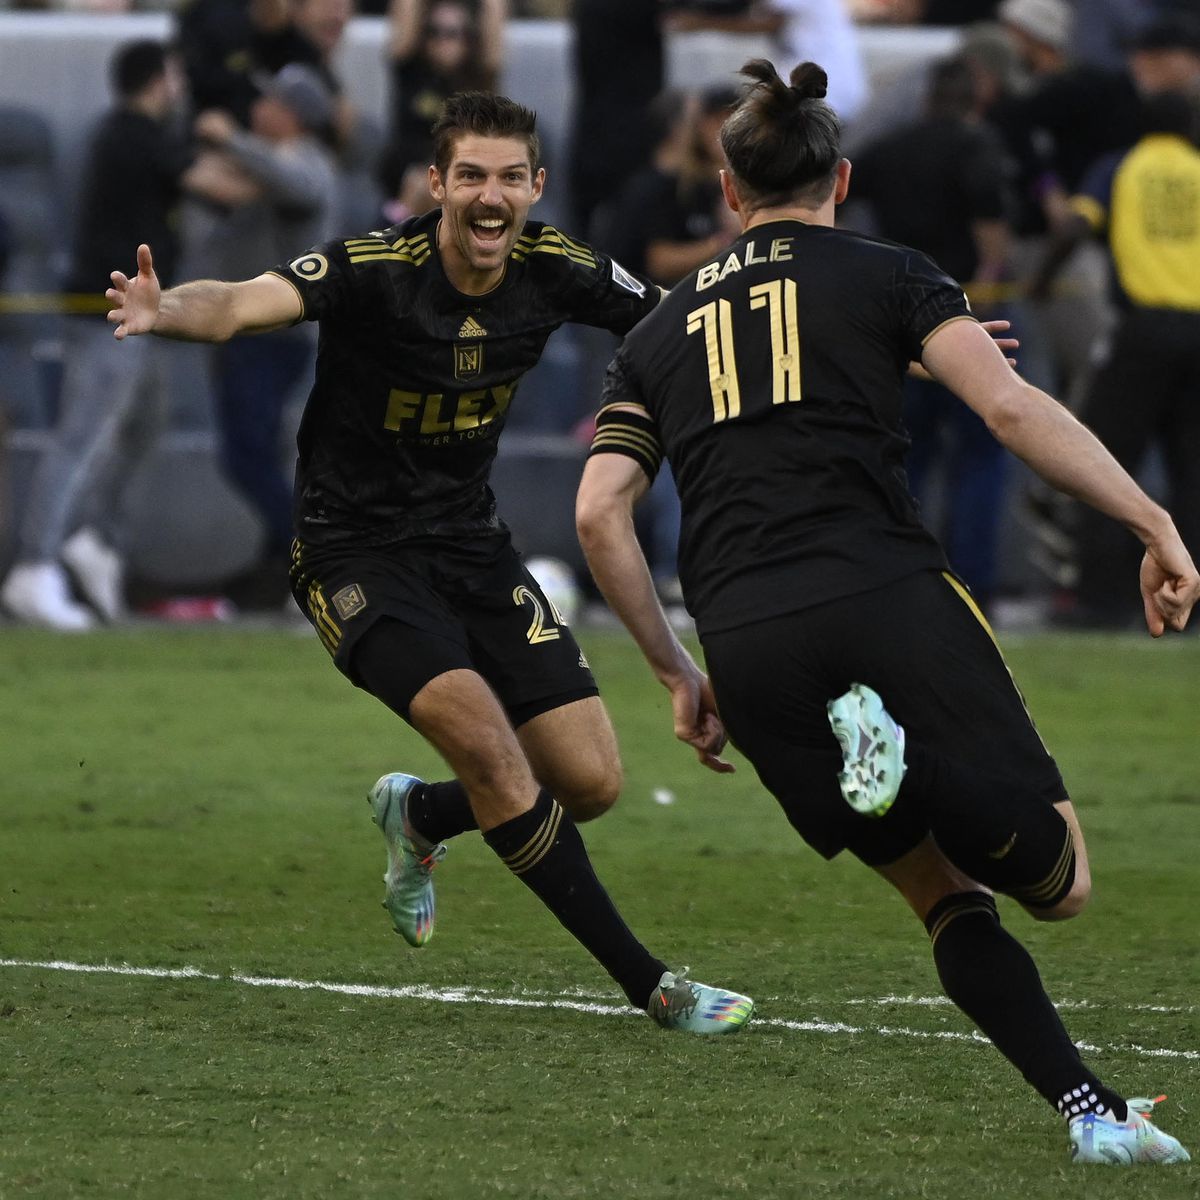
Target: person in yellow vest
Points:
(1146, 391)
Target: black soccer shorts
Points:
(451, 606)
(923, 645)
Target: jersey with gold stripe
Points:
(414, 379)
(771, 379)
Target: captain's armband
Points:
(621, 429)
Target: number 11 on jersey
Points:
(715, 319)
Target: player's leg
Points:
(979, 776)
(573, 752)
(538, 841)
(995, 828)
(991, 977)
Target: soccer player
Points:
(401, 563)
(771, 380)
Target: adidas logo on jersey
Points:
(471, 328)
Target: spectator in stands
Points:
(802, 30)
(924, 12)
(618, 73)
(435, 48)
(228, 44)
(223, 43)
(1164, 56)
(670, 217)
(111, 406)
(941, 186)
(1146, 391)
(287, 175)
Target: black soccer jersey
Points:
(771, 379)
(414, 379)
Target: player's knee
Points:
(1072, 904)
(592, 796)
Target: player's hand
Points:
(696, 720)
(1170, 584)
(1008, 345)
(135, 301)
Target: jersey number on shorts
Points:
(715, 320)
(538, 630)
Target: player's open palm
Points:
(135, 301)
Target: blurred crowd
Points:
(1049, 164)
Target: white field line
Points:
(567, 1001)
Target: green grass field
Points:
(176, 800)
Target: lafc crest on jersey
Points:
(468, 360)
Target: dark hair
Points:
(951, 91)
(488, 116)
(135, 66)
(783, 144)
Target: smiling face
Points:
(485, 192)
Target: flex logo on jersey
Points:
(441, 418)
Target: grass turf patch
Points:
(176, 799)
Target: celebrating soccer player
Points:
(401, 563)
(771, 381)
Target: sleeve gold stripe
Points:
(631, 436)
(624, 406)
(299, 294)
(947, 321)
(1091, 210)
(385, 256)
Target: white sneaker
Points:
(38, 594)
(98, 570)
(1125, 1143)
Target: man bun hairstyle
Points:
(487, 115)
(783, 143)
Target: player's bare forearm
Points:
(201, 311)
(604, 520)
(604, 517)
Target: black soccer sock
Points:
(992, 978)
(993, 828)
(440, 811)
(543, 848)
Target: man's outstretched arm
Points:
(204, 311)
(1067, 455)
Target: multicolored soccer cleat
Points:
(681, 1003)
(872, 750)
(409, 896)
(1124, 1143)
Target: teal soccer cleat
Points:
(872, 750)
(409, 896)
(1137, 1141)
(680, 1003)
